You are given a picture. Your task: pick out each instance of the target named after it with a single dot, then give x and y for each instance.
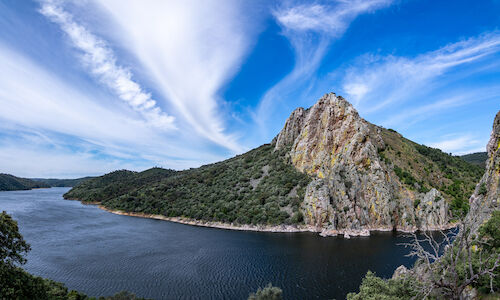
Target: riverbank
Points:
(220, 225)
(269, 228)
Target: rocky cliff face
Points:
(486, 197)
(354, 190)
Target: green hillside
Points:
(478, 158)
(12, 183)
(53, 182)
(258, 187)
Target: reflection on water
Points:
(100, 253)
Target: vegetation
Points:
(268, 293)
(258, 187)
(13, 183)
(52, 182)
(117, 183)
(421, 168)
(262, 187)
(471, 260)
(376, 288)
(482, 189)
(478, 158)
(15, 283)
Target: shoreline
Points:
(219, 225)
(267, 228)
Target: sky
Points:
(88, 86)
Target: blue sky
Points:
(87, 87)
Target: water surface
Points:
(100, 253)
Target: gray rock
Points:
(353, 191)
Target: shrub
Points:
(268, 293)
(375, 288)
(482, 189)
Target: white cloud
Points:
(190, 49)
(377, 82)
(460, 145)
(414, 114)
(36, 110)
(101, 61)
(310, 29)
(332, 19)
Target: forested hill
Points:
(12, 183)
(478, 158)
(54, 182)
(258, 187)
(328, 169)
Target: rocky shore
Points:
(265, 228)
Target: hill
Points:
(478, 158)
(54, 182)
(328, 171)
(12, 183)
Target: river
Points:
(100, 253)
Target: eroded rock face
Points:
(486, 197)
(353, 191)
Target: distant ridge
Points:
(54, 182)
(12, 183)
(478, 158)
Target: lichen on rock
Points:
(353, 191)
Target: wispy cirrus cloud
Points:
(189, 49)
(44, 115)
(422, 111)
(376, 82)
(331, 18)
(101, 62)
(310, 28)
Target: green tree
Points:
(270, 292)
(376, 288)
(12, 245)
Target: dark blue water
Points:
(100, 253)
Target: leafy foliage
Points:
(258, 187)
(489, 234)
(13, 183)
(12, 245)
(270, 292)
(376, 288)
(482, 189)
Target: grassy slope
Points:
(13, 183)
(422, 168)
(258, 187)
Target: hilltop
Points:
(328, 171)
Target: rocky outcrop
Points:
(486, 197)
(353, 190)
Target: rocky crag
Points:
(486, 197)
(327, 171)
(356, 187)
